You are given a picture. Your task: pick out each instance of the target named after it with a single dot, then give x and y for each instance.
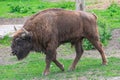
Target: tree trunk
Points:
(80, 5)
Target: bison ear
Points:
(30, 36)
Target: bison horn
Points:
(23, 35)
(25, 31)
(15, 28)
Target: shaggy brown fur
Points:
(50, 28)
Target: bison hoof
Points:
(104, 63)
(45, 73)
(71, 69)
(63, 69)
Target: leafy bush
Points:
(105, 31)
(66, 5)
(113, 10)
(20, 8)
(62, 4)
(87, 45)
(43, 5)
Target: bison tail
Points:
(94, 15)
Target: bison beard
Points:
(48, 29)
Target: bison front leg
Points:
(48, 62)
(79, 52)
(51, 56)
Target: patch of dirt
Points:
(114, 78)
(5, 57)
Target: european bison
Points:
(48, 29)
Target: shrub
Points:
(61, 4)
(105, 31)
(113, 10)
(87, 45)
(20, 8)
(43, 5)
(66, 5)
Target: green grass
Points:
(33, 66)
(6, 41)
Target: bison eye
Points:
(18, 41)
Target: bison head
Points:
(21, 44)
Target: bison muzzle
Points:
(48, 29)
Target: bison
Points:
(48, 29)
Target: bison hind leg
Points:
(97, 44)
